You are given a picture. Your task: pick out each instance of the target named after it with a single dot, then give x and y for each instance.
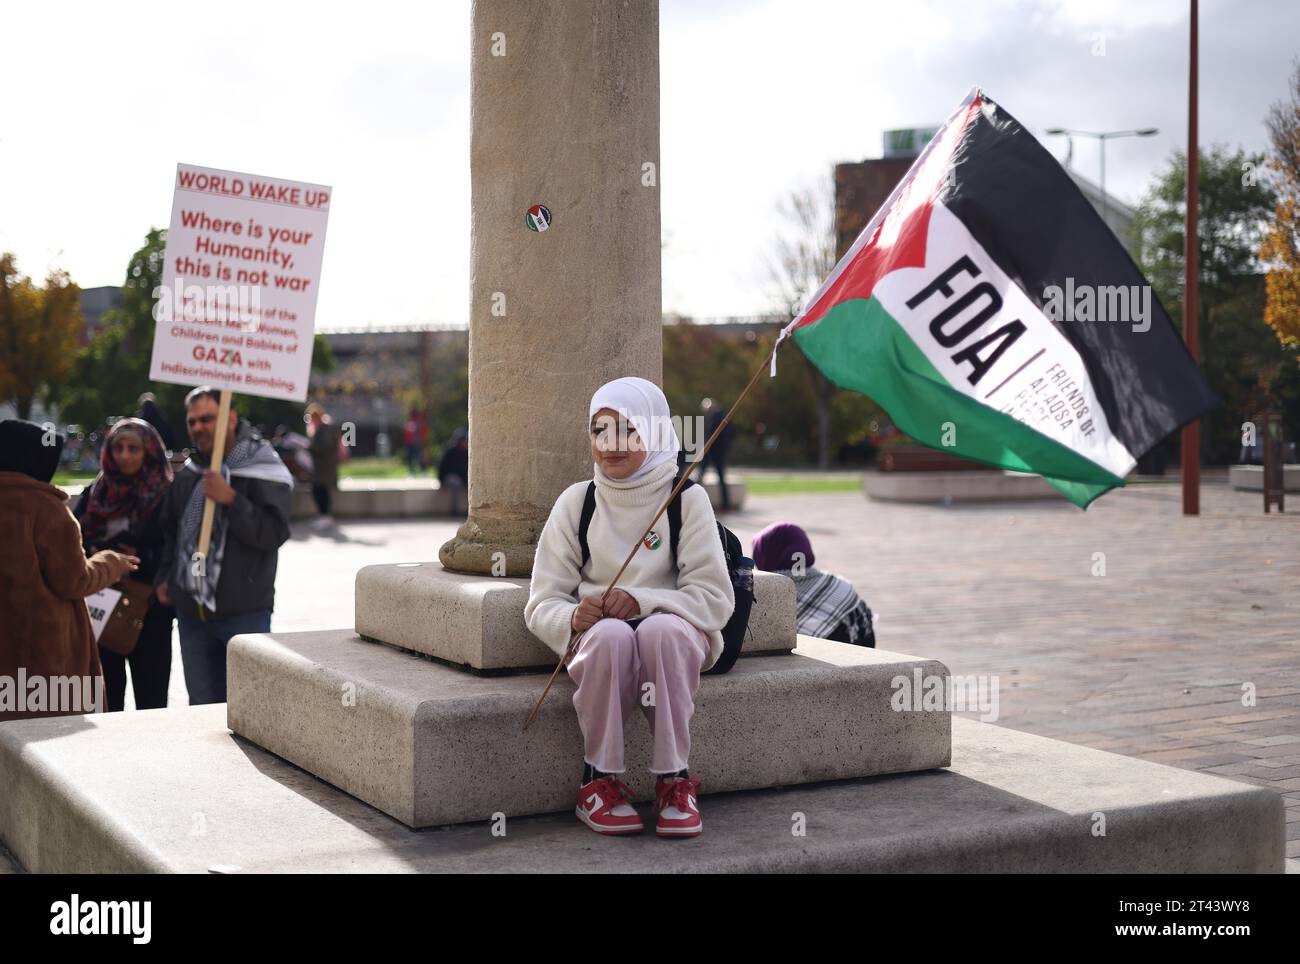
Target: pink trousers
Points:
(614, 663)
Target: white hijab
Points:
(644, 406)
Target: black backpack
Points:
(739, 567)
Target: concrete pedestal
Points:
(737, 492)
(432, 745)
(957, 486)
(173, 791)
(358, 500)
(478, 621)
(1250, 478)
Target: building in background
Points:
(381, 373)
(94, 303)
(861, 187)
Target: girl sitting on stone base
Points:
(657, 631)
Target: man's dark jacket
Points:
(257, 524)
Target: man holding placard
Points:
(230, 589)
(236, 313)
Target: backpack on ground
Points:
(740, 569)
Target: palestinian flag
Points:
(993, 314)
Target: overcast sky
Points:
(102, 100)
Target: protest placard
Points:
(237, 305)
(100, 606)
(240, 278)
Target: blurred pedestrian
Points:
(324, 448)
(453, 468)
(148, 409)
(415, 438)
(717, 454)
(294, 450)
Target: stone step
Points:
(1250, 478)
(956, 486)
(737, 493)
(173, 790)
(478, 621)
(361, 501)
(429, 745)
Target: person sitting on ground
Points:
(826, 606)
(45, 577)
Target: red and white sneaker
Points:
(604, 806)
(678, 807)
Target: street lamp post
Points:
(1102, 137)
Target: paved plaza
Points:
(1127, 628)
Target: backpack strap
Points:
(675, 517)
(588, 510)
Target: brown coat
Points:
(44, 579)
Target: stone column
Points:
(564, 104)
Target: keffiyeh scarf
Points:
(252, 457)
(823, 601)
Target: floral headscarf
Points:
(134, 497)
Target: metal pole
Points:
(1191, 449)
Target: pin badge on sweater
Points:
(652, 540)
(538, 218)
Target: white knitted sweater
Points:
(699, 590)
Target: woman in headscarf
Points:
(657, 631)
(120, 510)
(49, 663)
(826, 606)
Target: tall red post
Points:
(1191, 448)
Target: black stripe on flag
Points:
(1032, 219)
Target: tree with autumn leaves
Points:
(38, 334)
(108, 374)
(1280, 248)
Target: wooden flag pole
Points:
(690, 467)
(218, 453)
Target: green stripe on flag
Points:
(859, 346)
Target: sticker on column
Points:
(538, 218)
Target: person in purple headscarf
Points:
(826, 606)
